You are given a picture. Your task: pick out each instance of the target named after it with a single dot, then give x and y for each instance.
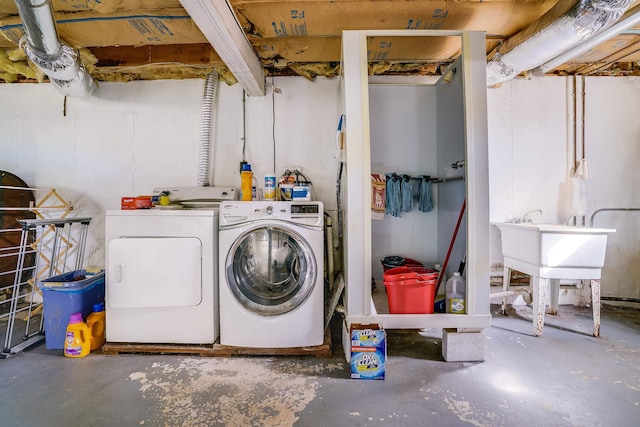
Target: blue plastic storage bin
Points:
(64, 295)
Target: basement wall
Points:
(132, 137)
(531, 160)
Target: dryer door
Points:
(154, 272)
(271, 270)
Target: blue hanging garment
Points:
(407, 193)
(393, 197)
(425, 201)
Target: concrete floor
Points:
(564, 378)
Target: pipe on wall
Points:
(58, 61)
(597, 211)
(328, 223)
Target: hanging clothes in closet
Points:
(425, 200)
(393, 198)
(407, 193)
(378, 195)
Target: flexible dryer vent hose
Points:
(208, 127)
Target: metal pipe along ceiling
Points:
(58, 61)
(546, 40)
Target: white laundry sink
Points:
(554, 245)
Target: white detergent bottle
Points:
(456, 294)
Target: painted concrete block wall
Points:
(451, 149)
(612, 147)
(530, 160)
(132, 137)
(403, 140)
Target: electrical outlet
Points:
(293, 168)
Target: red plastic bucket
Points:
(405, 273)
(397, 261)
(411, 296)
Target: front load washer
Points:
(271, 274)
(162, 269)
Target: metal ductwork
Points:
(563, 27)
(60, 62)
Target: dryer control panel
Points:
(297, 212)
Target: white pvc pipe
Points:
(329, 237)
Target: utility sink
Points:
(548, 253)
(554, 245)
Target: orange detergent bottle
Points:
(246, 182)
(76, 341)
(96, 325)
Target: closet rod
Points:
(437, 180)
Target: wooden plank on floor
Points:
(213, 350)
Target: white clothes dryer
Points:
(271, 274)
(162, 270)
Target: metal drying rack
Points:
(46, 246)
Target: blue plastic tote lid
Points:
(73, 281)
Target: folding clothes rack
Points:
(45, 250)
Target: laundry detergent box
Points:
(368, 352)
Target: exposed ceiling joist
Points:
(219, 25)
(127, 40)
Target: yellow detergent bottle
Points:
(246, 182)
(96, 325)
(77, 342)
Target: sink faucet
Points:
(524, 217)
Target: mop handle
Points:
(453, 239)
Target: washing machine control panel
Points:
(309, 213)
(305, 209)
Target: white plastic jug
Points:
(456, 294)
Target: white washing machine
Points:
(161, 272)
(271, 274)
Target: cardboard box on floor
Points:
(368, 352)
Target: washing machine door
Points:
(271, 270)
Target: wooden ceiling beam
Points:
(610, 60)
(188, 54)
